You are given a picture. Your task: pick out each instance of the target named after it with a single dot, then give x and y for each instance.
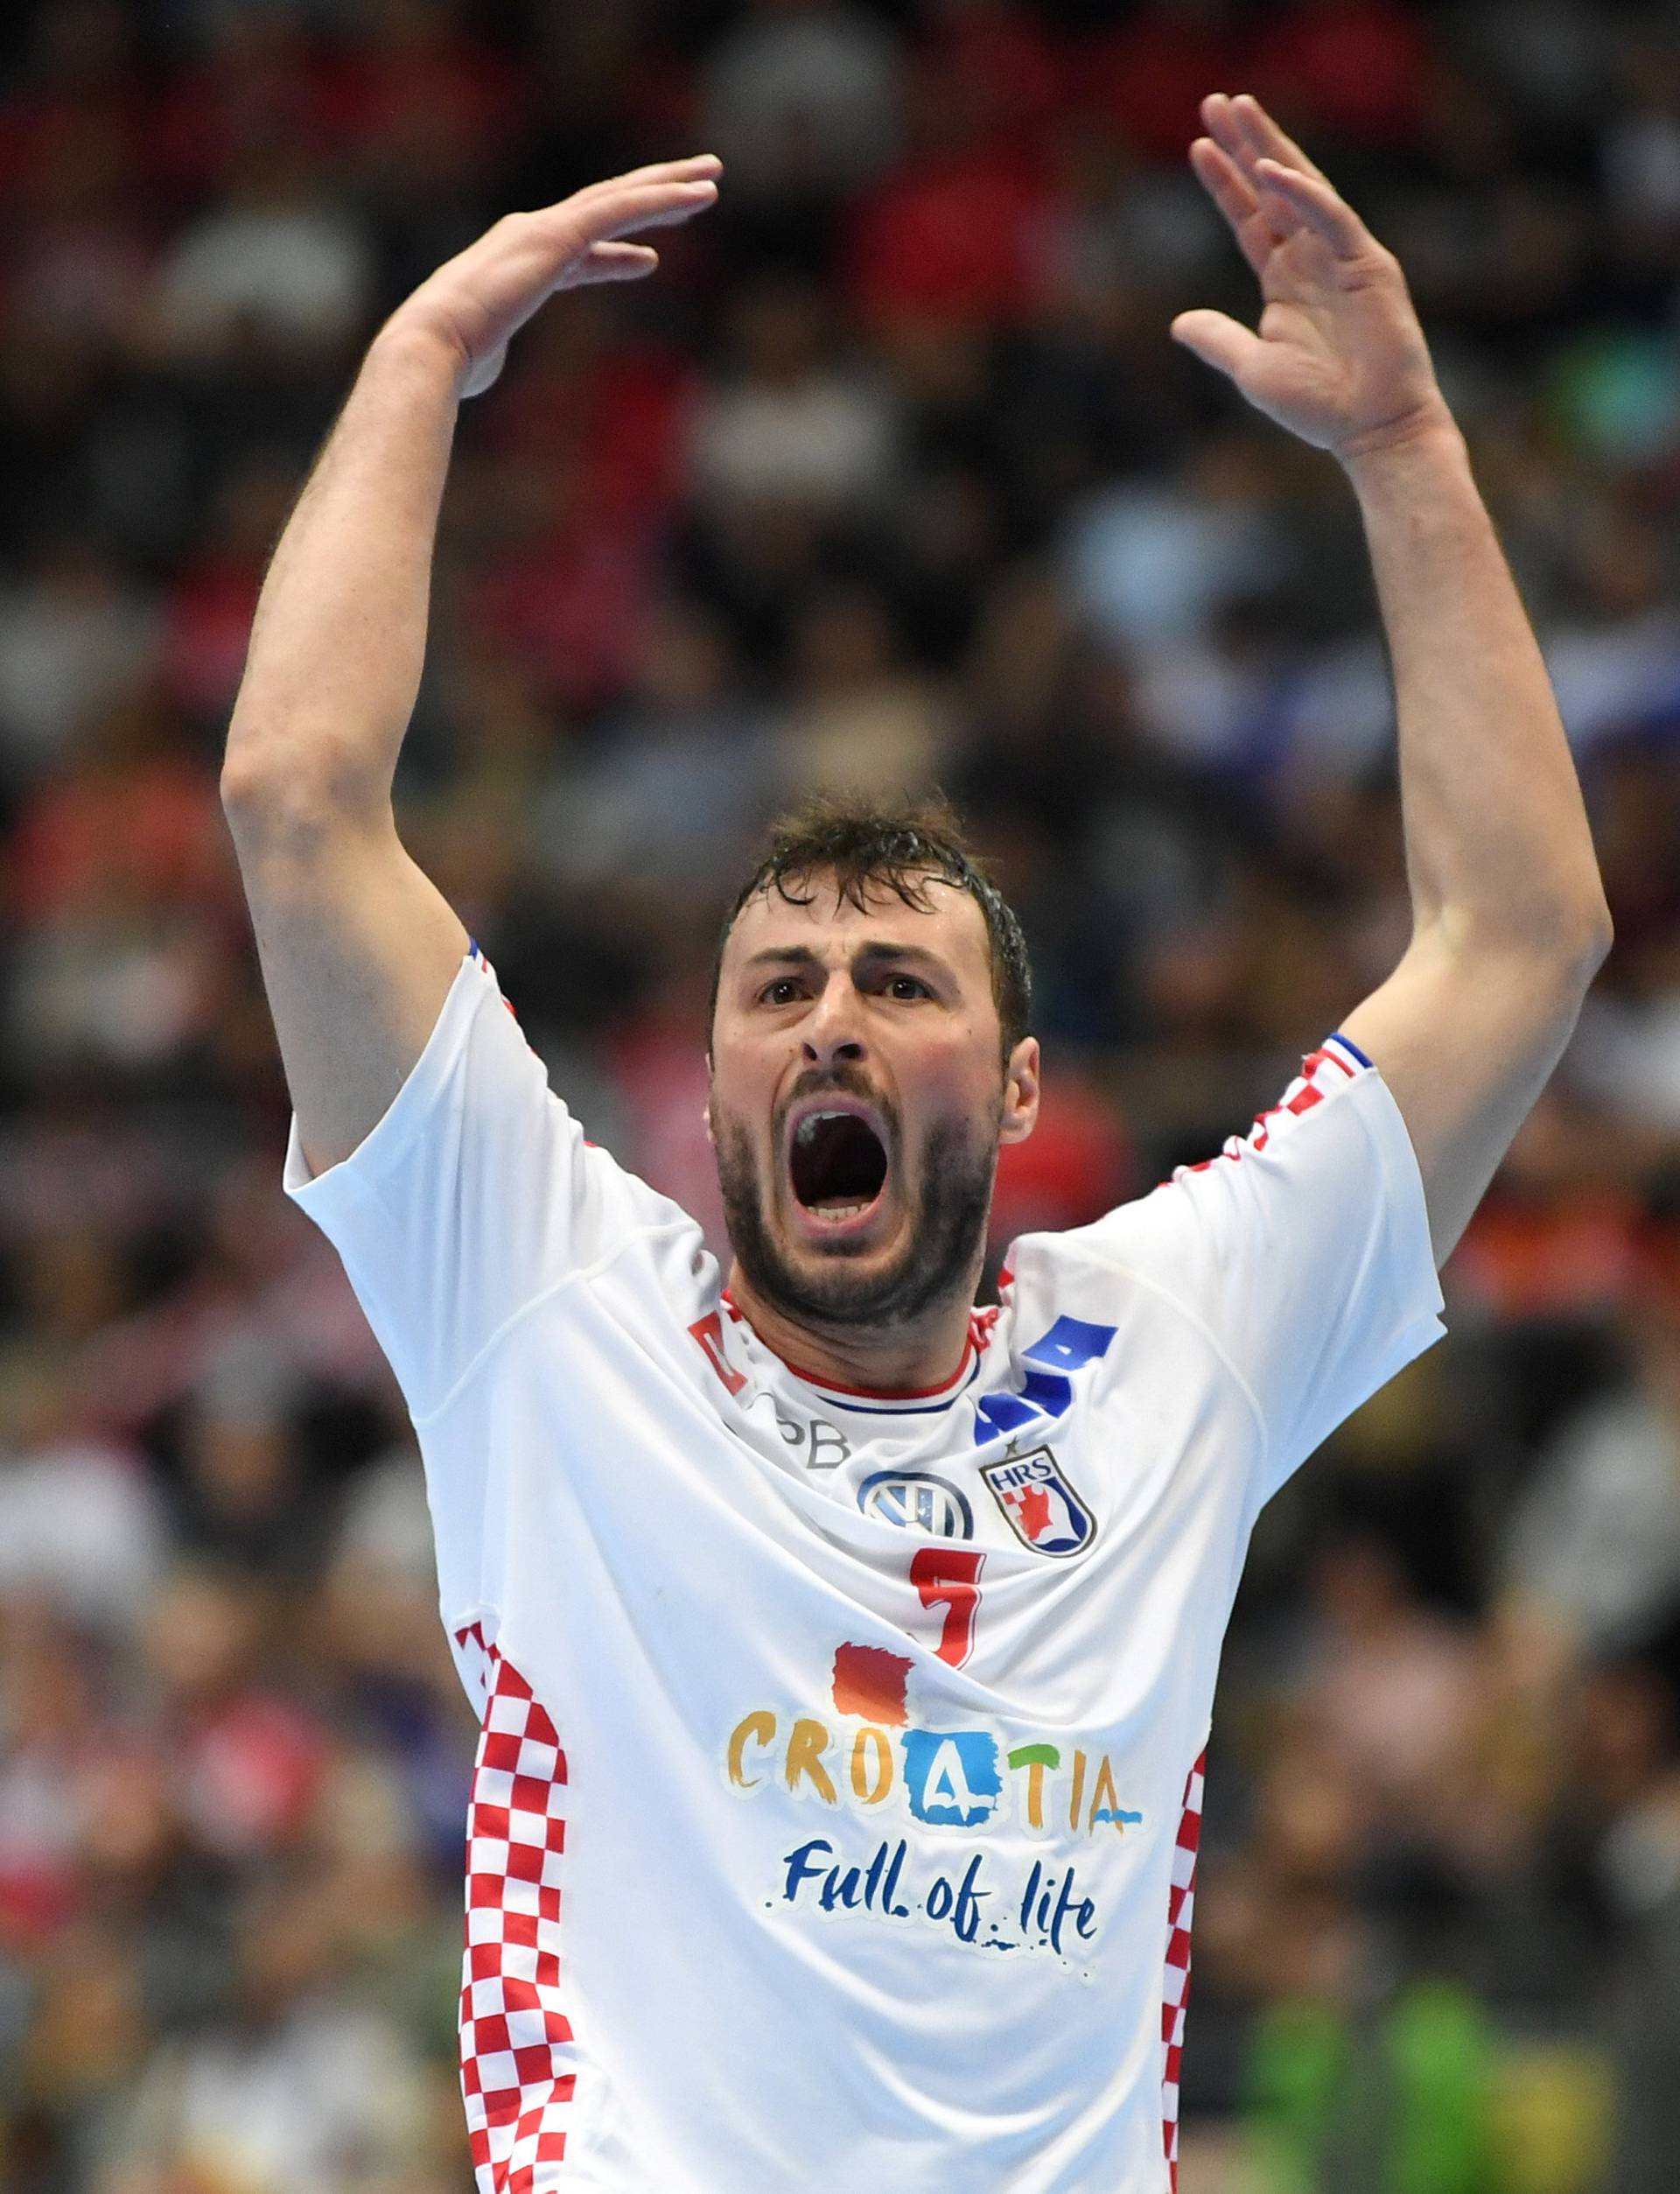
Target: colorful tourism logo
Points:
(864, 1756)
(869, 1757)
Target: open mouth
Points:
(837, 1164)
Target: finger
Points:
(617, 263)
(1223, 181)
(1218, 340)
(641, 205)
(1320, 205)
(560, 234)
(704, 167)
(1249, 221)
(697, 167)
(1267, 140)
(1219, 119)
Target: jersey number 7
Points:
(948, 1576)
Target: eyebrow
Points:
(872, 948)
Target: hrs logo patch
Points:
(1043, 1509)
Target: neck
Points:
(928, 1353)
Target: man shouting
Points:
(845, 1653)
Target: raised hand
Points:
(1339, 358)
(478, 300)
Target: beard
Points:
(940, 1259)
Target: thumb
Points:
(1218, 340)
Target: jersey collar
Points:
(885, 1401)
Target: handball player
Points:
(845, 1654)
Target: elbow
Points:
(271, 815)
(1575, 942)
(1598, 935)
(284, 780)
(243, 784)
(257, 798)
(1564, 943)
(258, 765)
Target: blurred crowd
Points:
(893, 477)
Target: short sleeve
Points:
(1303, 1251)
(475, 1194)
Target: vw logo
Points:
(915, 1500)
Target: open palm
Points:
(477, 301)
(1339, 357)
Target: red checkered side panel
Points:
(1336, 1062)
(1175, 1986)
(518, 2062)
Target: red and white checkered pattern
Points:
(518, 2062)
(1175, 1984)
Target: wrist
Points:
(1429, 437)
(419, 353)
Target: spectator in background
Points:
(224, 2106)
(802, 98)
(1641, 162)
(1632, 1742)
(1003, 67)
(75, 633)
(1389, 1689)
(949, 236)
(282, 261)
(683, 780)
(1593, 1546)
(856, 714)
(1150, 564)
(1147, 77)
(786, 425)
(81, 1523)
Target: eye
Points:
(782, 991)
(906, 986)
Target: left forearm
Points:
(1498, 848)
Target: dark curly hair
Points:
(858, 844)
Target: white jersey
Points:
(835, 1814)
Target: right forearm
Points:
(341, 629)
(339, 634)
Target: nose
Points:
(830, 1033)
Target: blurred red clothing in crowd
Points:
(621, 408)
(1001, 67)
(1147, 78)
(260, 83)
(120, 826)
(1360, 69)
(207, 629)
(1560, 1255)
(949, 238)
(1076, 1165)
(426, 82)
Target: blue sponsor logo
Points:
(1045, 1389)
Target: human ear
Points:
(1022, 1088)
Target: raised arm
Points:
(358, 947)
(1508, 914)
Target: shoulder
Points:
(1333, 1116)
